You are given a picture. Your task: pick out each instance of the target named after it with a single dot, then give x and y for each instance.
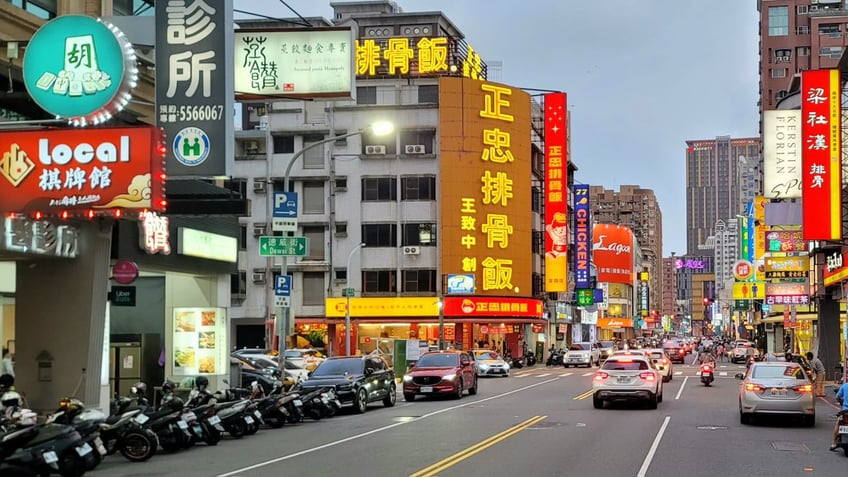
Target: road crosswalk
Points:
(535, 373)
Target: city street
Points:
(539, 420)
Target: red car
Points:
(441, 372)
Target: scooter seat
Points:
(49, 432)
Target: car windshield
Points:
(624, 365)
(579, 347)
(293, 353)
(336, 367)
(774, 372)
(656, 356)
(486, 355)
(607, 344)
(437, 360)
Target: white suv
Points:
(582, 354)
(627, 378)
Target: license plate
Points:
(623, 379)
(214, 420)
(843, 429)
(426, 389)
(50, 457)
(707, 375)
(298, 402)
(778, 392)
(189, 416)
(182, 425)
(257, 414)
(325, 400)
(100, 447)
(84, 450)
(141, 419)
(248, 419)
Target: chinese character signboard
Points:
(556, 185)
(787, 269)
(308, 63)
(153, 235)
(485, 185)
(759, 236)
(194, 85)
(782, 154)
(81, 170)
(416, 56)
(787, 293)
(613, 253)
(785, 241)
(821, 158)
(835, 269)
(494, 306)
(80, 68)
(582, 237)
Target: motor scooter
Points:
(842, 432)
(707, 376)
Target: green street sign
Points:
(349, 292)
(272, 246)
(585, 297)
(740, 305)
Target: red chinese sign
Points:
(494, 306)
(556, 185)
(81, 169)
(821, 158)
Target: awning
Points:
(424, 320)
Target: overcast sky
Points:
(642, 77)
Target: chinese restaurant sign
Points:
(81, 169)
(154, 236)
(787, 269)
(494, 306)
(785, 241)
(485, 185)
(787, 293)
(402, 56)
(582, 237)
(80, 68)
(835, 269)
(821, 159)
(556, 220)
(391, 307)
(304, 63)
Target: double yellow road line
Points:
(479, 447)
(582, 396)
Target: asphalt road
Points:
(538, 422)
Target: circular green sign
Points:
(79, 68)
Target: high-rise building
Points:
(669, 287)
(637, 209)
(722, 175)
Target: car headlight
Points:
(449, 377)
(483, 366)
(407, 378)
(344, 387)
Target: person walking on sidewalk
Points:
(818, 369)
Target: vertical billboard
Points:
(194, 85)
(556, 194)
(782, 154)
(582, 237)
(484, 184)
(759, 225)
(612, 252)
(822, 164)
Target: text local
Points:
(84, 153)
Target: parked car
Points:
(662, 363)
(307, 359)
(489, 363)
(627, 378)
(357, 380)
(776, 388)
(582, 354)
(441, 372)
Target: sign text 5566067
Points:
(206, 112)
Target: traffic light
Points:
(707, 301)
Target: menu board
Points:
(199, 341)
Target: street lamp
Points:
(348, 293)
(379, 128)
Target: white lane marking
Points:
(587, 374)
(680, 391)
(379, 429)
(543, 375)
(565, 374)
(678, 373)
(722, 373)
(519, 375)
(648, 458)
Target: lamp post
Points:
(379, 128)
(348, 293)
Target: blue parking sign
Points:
(282, 285)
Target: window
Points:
(419, 234)
(379, 235)
(283, 144)
(366, 95)
(242, 243)
(379, 281)
(803, 30)
(238, 287)
(313, 158)
(411, 139)
(313, 197)
(341, 229)
(341, 183)
(801, 9)
(42, 9)
(803, 51)
(315, 237)
(341, 275)
(428, 94)
(385, 144)
(536, 198)
(379, 189)
(828, 28)
(239, 186)
(778, 21)
(778, 72)
(419, 280)
(418, 188)
(313, 288)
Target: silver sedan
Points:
(776, 388)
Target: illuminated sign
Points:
(314, 62)
(787, 293)
(749, 290)
(759, 236)
(199, 341)
(461, 283)
(485, 185)
(608, 323)
(41, 237)
(782, 150)
(613, 253)
(743, 270)
(833, 262)
(822, 157)
(80, 68)
(494, 306)
(556, 194)
(585, 297)
(785, 241)
(690, 264)
(73, 169)
(834, 270)
(201, 244)
(379, 306)
(582, 237)
(402, 56)
(154, 236)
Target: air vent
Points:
(375, 150)
(259, 186)
(411, 250)
(259, 229)
(258, 275)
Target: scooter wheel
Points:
(213, 436)
(137, 447)
(71, 465)
(252, 428)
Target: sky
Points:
(642, 77)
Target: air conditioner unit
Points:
(375, 150)
(258, 275)
(259, 186)
(784, 58)
(252, 147)
(259, 229)
(814, 1)
(412, 250)
(414, 149)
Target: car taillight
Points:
(681, 351)
(804, 388)
(754, 387)
(600, 376)
(647, 376)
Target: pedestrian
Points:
(818, 370)
(8, 363)
(720, 350)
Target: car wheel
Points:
(391, 398)
(598, 403)
(660, 397)
(652, 401)
(408, 397)
(458, 394)
(360, 401)
(473, 389)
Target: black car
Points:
(357, 379)
(675, 350)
